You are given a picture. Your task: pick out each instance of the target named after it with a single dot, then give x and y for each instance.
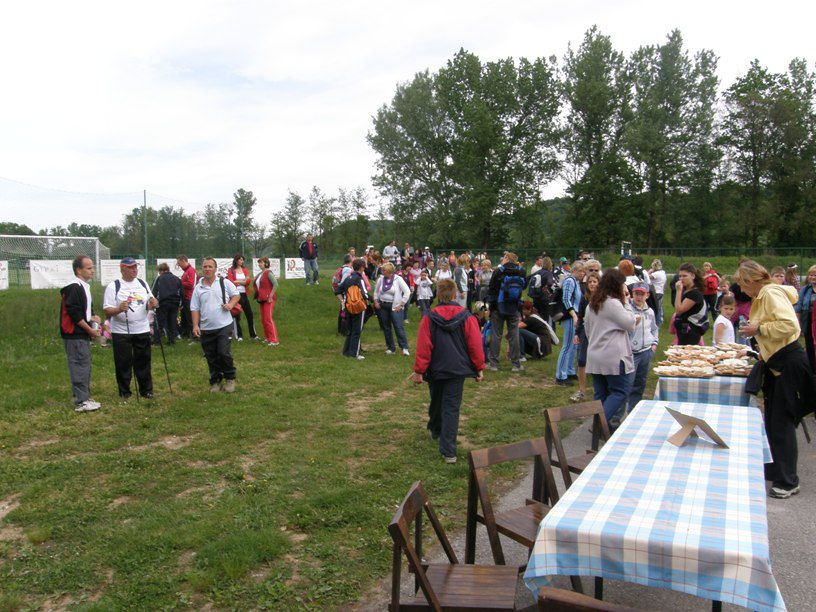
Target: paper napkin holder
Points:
(688, 425)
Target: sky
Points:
(191, 100)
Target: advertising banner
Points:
(174, 267)
(50, 273)
(3, 275)
(294, 267)
(109, 271)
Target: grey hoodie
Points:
(646, 333)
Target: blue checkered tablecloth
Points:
(691, 519)
(717, 390)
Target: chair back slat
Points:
(507, 452)
(575, 411)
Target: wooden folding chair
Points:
(519, 524)
(559, 600)
(445, 586)
(600, 431)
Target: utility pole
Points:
(144, 220)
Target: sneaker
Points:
(406, 322)
(406, 352)
(578, 396)
(272, 343)
(450, 459)
(215, 387)
(780, 493)
(229, 386)
(259, 339)
(492, 367)
(317, 282)
(125, 398)
(148, 396)
(572, 377)
(522, 360)
(87, 406)
(517, 368)
(566, 382)
(360, 357)
(240, 339)
(389, 352)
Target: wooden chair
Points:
(559, 600)
(600, 431)
(446, 586)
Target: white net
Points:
(19, 251)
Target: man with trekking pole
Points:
(126, 303)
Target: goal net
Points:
(19, 251)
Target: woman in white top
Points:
(391, 295)
(658, 276)
(443, 272)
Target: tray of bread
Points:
(705, 361)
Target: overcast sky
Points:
(194, 99)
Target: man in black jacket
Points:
(167, 289)
(308, 253)
(504, 308)
(77, 328)
(356, 320)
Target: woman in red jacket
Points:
(239, 276)
(449, 349)
(266, 292)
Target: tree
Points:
(286, 226)
(461, 150)
(243, 205)
(18, 229)
(322, 216)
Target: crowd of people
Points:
(610, 321)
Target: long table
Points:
(691, 519)
(716, 390)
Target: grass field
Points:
(276, 497)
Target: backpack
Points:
(117, 284)
(335, 279)
(712, 283)
(355, 303)
(510, 293)
(535, 289)
(557, 311)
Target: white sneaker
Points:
(522, 359)
(450, 459)
(240, 339)
(406, 352)
(360, 357)
(317, 282)
(87, 406)
(389, 352)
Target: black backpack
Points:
(117, 284)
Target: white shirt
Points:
(398, 294)
(659, 280)
(390, 252)
(534, 269)
(207, 301)
(728, 335)
(241, 277)
(424, 289)
(443, 274)
(134, 320)
(87, 289)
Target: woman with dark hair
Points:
(787, 380)
(609, 353)
(591, 282)
(691, 316)
(266, 292)
(239, 276)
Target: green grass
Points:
(276, 497)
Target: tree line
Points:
(649, 147)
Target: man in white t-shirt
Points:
(391, 252)
(126, 304)
(212, 300)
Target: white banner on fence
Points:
(109, 271)
(50, 273)
(274, 265)
(174, 267)
(224, 264)
(294, 268)
(3, 275)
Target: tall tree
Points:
(287, 225)
(322, 216)
(243, 204)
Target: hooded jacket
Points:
(772, 310)
(449, 344)
(73, 309)
(645, 334)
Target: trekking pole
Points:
(127, 324)
(164, 359)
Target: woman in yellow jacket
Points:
(788, 386)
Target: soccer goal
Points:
(20, 251)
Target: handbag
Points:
(235, 310)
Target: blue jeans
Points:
(529, 343)
(642, 362)
(566, 358)
(424, 307)
(659, 311)
(389, 318)
(443, 412)
(310, 264)
(613, 391)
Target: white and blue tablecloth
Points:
(691, 519)
(717, 390)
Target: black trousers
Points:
(351, 347)
(711, 304)
(247, 310)
(443, 412)
(808, 336)
(131, 355)
(216, 346)
(781, 430)
(167, 322)
(186, 318)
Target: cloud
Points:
(195, 99)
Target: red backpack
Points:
(712, 283)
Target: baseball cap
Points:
(128, 261)
(640, 287)
(563, 260)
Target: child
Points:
(723, 328)
(449, 349)
(643, 340)
(424, 293)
